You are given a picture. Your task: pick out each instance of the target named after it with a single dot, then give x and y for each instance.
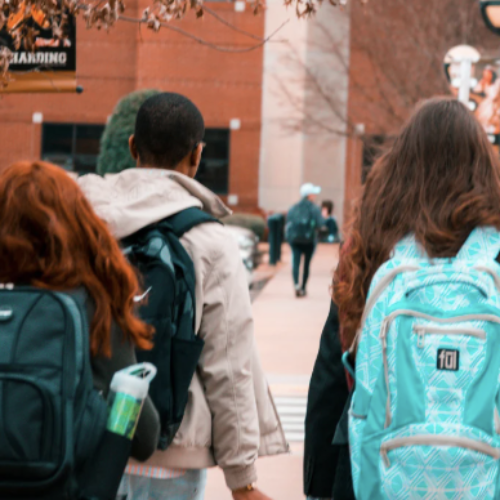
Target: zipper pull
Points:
(421, 337)
(385, 457)
(383, 333)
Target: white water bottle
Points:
(128, 391)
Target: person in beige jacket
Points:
(231, 418)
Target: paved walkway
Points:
(287, 332)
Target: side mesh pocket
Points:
(92, 427)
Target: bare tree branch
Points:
(396, 54)
(231, 26)
(205, 42)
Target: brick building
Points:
(391, 56)
(250, 159)
(226, 86)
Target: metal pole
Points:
(465, 74)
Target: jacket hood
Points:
(137, 197)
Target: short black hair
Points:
(328, 205)
(168, 127)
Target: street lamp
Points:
(491, 14)
(458, 66)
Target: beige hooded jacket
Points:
(230, 418)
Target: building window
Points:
(74, 147)
(373, 147)
(214, 167)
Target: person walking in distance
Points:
(229, 419)
(303, 223)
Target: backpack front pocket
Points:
(423, 330)
(445, 350)
(439, 466)
(25, 404)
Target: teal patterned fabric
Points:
(441, 377)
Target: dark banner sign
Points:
(42, 62)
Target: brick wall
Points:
(110, 65)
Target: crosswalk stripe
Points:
(292, 419)
(295, 437)
(292, 411)
(293, 428)
(291, 401)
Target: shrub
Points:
(114, 155)
(255, 223)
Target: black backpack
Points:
(52, 420)
(301, 227)
(169, 284)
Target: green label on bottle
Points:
(123, 414)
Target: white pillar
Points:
(291, 157)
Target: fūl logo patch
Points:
(448, 359)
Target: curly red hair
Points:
(439, 181)
(50, 237)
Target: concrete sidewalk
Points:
(287, 332)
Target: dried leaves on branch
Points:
(6, 57)
(22, 20)
(307, 8)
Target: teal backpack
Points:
(424, 421)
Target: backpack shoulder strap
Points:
(186, 220)
(408, 248)
(482, 243)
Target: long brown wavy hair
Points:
(439, 180)
(50, 237)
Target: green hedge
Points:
(255, 223)
(114, 155)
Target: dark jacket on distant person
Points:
(295, 214)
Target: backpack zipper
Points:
(383, 338)
(496, 417)
(416, 314)
(422, 331)
(491, 273)
(375, 295)
(437, 440)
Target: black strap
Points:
(186, 220)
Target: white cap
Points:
(128, 380)
(309, 189)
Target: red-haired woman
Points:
(51, 238)
(439, 181)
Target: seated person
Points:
(330, 232)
